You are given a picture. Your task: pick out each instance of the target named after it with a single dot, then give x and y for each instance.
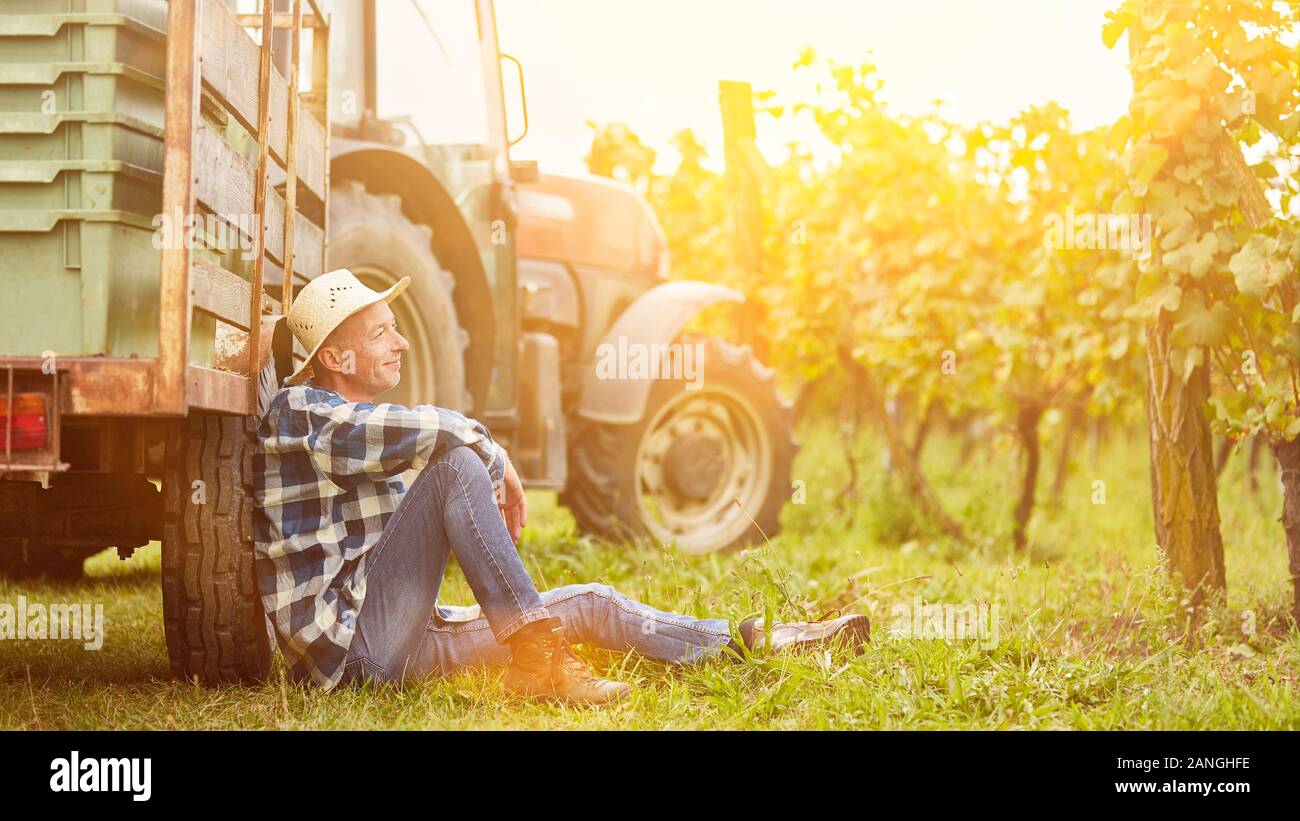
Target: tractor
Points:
(539, 304)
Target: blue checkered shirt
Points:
(326, 475)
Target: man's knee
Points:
(462, 457)
(459, 471)
(461, 464)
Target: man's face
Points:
(365, 351)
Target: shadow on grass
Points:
(128, 579)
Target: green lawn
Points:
(1090, 635)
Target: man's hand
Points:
(514, 507)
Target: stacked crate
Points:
(81, 165)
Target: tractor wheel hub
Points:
(693, 465)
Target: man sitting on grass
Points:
(349, 560)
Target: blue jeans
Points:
(403, 633)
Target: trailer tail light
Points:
(25, 425)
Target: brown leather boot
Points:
(542, 666)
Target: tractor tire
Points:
(611, 496)
(371, 236)
(63, 564)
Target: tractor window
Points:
(430, 69)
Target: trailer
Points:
(162, 185)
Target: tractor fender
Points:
(656, 317)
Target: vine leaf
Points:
(1196, 325)
(1253, 269)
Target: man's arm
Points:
(358, 441)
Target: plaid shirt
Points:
(326, 476)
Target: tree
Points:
(1221, 281)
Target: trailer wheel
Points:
(216, 629)
(676, 474)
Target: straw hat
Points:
(325, 302)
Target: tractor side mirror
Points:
(524, 171)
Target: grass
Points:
(1090, 633)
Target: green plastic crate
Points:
(152, 13)
(81, 68)
(78, 185)
(80, 135)
(58, 39)
(77, 90)
(81, 179)
(87, 288)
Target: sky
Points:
(655, 65)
